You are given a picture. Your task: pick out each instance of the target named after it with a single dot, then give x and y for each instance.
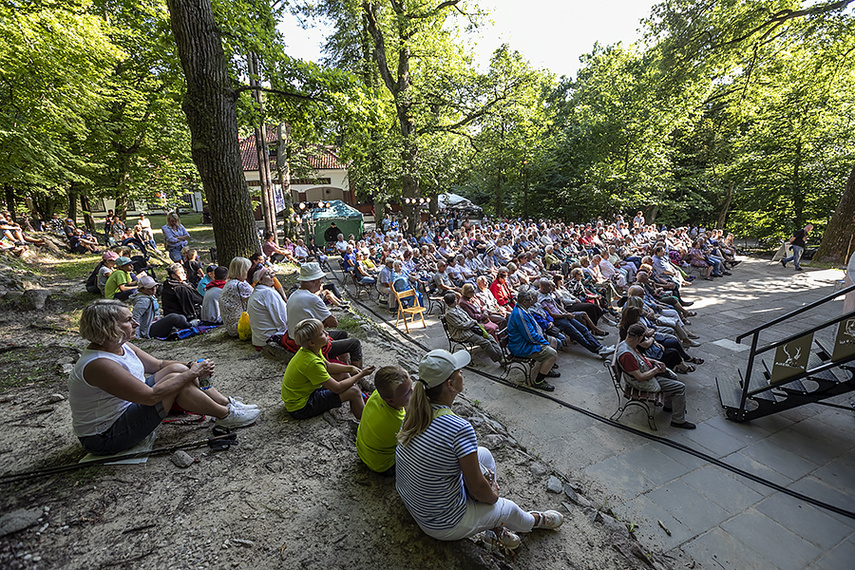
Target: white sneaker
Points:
(505, 540)
(238, 403)
(239, 417)
(548, 519)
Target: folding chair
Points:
(413, 310)
(352, 276)
(451, 342)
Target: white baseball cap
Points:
(437, 366)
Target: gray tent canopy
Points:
(451, 201)
(347, 219)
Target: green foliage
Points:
(732, 111)
(51, 63)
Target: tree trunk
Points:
(283, 135)
(722, 215)
(120, 208)
(433, 206)
(651, 214)
(73, 192)
(88, 220)
(10, 198)
(410, 156)
(837, 239)
(210, 106)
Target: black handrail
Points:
(805, 332)
(798, 311)
(801, 375)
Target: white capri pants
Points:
(481, 516)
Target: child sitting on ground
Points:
(312, 385)
(192, 266)
(122, 283)
(376, 436)
(209, 276)
(211, 302)
(108, 265)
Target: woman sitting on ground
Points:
(119, 394)
(235, 294)
(447, 482)
(178, 295)
(146, 311)
(14, 232)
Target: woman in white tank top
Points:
(119, 394)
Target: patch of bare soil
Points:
(291, 494)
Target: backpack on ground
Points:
(92, 280)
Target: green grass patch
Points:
(77, 267)
(25, 366)
(350, 324)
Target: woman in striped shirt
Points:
(445, 479)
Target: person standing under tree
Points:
(798, 242)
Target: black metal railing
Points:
(755, 335)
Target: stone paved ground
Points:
(721, 519)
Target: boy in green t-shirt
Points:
(382, 419)
(312, 385)
(121, 284)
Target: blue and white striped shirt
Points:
(428, 473)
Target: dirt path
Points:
(291, 494)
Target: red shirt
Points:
(629, 362)
(502, 293)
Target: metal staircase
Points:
(798, 369)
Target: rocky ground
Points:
(290, 494)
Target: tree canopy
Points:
(731, 114)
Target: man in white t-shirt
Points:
(266, 309)
(304, 303)
(300, 251)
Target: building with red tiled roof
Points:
(327, 181)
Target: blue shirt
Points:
(200, 288)
(525, 337)
(170, 236)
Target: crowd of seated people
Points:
(591, 265)
(549, 285)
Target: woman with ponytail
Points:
(447, 481)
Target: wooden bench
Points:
(629, 396)
(524, 364)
